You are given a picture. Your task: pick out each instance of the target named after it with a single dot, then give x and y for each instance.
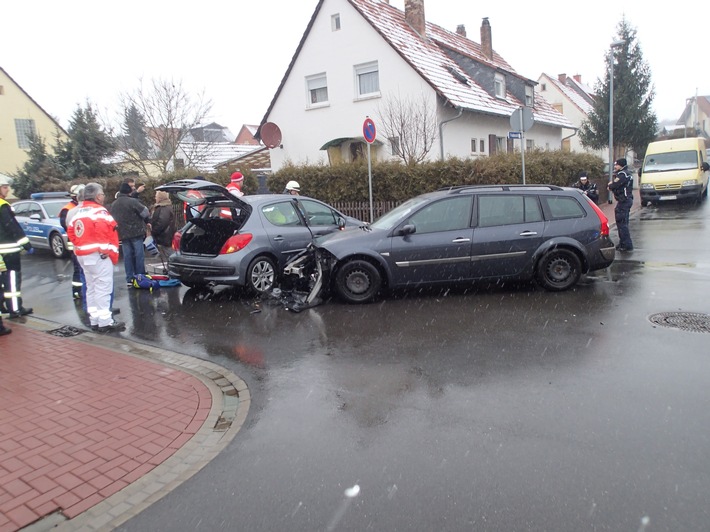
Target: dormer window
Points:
(529, 96)
(499, 85)
(335, 22)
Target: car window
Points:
(508, 209)
(561, 207)
(445, 215)
(54, 208)
(281, 214)
(318, 214)
(21, 209)
(35, 209)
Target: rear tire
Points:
(358, 281)
(261, 275)
(559, 269)
(57, 247)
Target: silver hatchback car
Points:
(244, 241)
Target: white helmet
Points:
(293, 185)
(74, 190)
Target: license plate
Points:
(663, 198)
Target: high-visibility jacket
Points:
(92, 229)
(12, 237)
(63, 219)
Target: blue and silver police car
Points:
(39, 218)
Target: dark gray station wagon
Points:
(542, 232)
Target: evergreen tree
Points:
(635, 123)
(39, 169)
(88, 146)
(134, 135)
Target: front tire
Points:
(358, 281)
(559, 269)
(57, 247)
(261, 275)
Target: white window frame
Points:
(366, 69)
(529, 96)
(395, 146)
(529, 144)
(499, 85)
(316, 83)
(24, 129)
(478, 146)
(335, 22)
(501, 145)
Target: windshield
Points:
(393, 217)
(675, 160)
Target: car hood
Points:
(208, 192)
(353, 240)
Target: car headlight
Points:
(647, 186)
(689, 182)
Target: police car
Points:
(39, 218)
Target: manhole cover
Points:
(685, 321)
(66, 331)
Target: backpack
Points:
(145, 282)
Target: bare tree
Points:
(168, 112)
(410, 126)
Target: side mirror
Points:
(341, 223)
(640, 171)
(35, 217)
(407, 229)
(705, 166)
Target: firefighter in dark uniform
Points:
(622, 188)
(77, 281)
(12, 240)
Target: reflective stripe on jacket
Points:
(12, 237)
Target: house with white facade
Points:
(573, 99)
(356, 55)
(696, 116)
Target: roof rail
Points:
(500, 187)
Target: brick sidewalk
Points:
(80, 422)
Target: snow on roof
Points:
(206, 156)
(429, 58)
(571, 94)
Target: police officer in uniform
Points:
(12, 240)
(622, 188)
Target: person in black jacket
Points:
(131, 216)
(622, 187)
(12, 241)
(586, 186)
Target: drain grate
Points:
(66, 331)
(685, 321)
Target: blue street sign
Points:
(369, 131)
(515, 135)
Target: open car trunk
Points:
(206, 236)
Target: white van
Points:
(675, 169)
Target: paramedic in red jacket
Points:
(235, 184)
(93, 232)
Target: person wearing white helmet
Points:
(292, 188)
(77, 281)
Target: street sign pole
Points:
(369, 131)
(522, 143)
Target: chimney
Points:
(486, 39)
(578, 78)
(562, 78)
(461, 30)
(414, 16)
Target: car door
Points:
(508, 230)
(285, 228)
(321, 218)
(439, 249)
(35, 229)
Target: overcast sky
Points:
(63, 53)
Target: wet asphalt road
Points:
(490, 409)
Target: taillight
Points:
(235, 243)
(176, 240)
(602, 218)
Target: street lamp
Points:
(615, 44)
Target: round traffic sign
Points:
(369, 131)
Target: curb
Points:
(230, 405)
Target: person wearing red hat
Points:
(235, 184)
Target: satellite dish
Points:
(271, 135)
